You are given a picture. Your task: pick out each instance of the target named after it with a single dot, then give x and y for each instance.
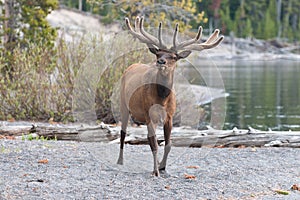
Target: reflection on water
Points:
(262, 94)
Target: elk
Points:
(147, 93)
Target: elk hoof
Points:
(120, 162)
(162, 166)
(164, 174)
(155, 173)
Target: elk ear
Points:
(152, 49)
(183, 54)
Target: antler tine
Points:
(213, 36)
(137, 24)
(205, 45)
(150, 37)
(192, 41)
(175, 37)
(137, 32)
(145, 34)
(159, 34)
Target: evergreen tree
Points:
(34, 26)
(286, 17)
(259, 18)
(269, 26)
(227, 22)
(248, 29)
(169, 12)
(24, 22)
(294, 17)
(242, 25)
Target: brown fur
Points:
(144, 92)
(140, 98)
(147, 92)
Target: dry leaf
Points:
(282, 192)
(44, 161)
(253, 149)
(220, 146)
(295, 187)
(192, 167)
(188, 176)
(11, 119)
(51, 121)
(10, 137)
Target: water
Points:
(262, 94)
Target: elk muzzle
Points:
(161, 61)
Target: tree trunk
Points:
(10, 24)
(278, 6)
(80, 5)
(286, 20)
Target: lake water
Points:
(262, 94)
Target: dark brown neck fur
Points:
(162, 91)
(164, 85)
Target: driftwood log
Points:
(181, 136)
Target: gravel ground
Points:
(78, 170)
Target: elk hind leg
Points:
(167, 136)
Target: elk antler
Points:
(192, 44)
(143, 36)
(186, 43)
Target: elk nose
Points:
(161, 61)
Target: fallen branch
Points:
(181, 136)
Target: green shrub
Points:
(41, 84)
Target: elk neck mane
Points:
(162, 83)
(165, 84)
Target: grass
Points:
(31, 137)
(4, 150)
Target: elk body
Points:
(147, 93)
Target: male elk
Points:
(147, 92)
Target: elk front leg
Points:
(124, 120)
(153, 145)
(167, 135)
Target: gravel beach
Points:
(80, 170)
